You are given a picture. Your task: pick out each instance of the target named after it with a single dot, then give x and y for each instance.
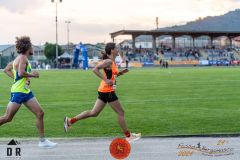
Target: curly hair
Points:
(23, 44)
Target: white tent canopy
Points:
(65, 55)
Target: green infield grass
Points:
(174, 101)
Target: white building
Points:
(8, 53)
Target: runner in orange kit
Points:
(106, 93)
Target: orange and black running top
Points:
(109, 73)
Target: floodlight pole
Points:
(56, 2)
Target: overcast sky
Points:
(93, 20)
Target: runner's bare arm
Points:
(8, 70)
(122, 72)
(96, 70)
(21, 69)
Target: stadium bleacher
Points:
(210, 56)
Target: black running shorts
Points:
(107, 97)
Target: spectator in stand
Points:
(160, 62)
(127, 59)
(166, 64)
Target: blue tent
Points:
(76, 56)
(84, 56)
(80, 48)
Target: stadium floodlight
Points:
(56, 2)
(68, 22)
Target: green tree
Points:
(50, 51)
